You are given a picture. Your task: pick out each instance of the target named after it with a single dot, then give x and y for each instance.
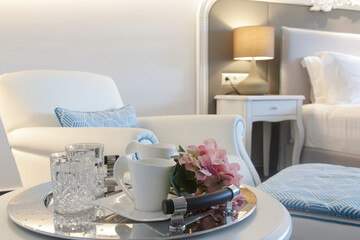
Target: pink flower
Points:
(211, 167)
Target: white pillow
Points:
(342, 77)
(317, 81)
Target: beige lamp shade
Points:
(254, 42)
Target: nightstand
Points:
(266, 109)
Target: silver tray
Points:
(32, 209)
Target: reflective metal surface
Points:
(33, 210)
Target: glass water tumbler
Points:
(82, 222)
(97, 163)
(72, 180)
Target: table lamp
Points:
(253, 43)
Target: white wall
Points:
(147, 47)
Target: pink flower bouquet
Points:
(203, 168)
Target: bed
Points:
(332, 130)
(332, 127)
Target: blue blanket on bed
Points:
(317, 188)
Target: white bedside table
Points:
(266, 108)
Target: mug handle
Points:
(120, 168)
(133, 148)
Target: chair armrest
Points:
(227, 130)
(45, 140)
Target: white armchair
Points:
(28, 100)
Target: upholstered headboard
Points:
(298, 43)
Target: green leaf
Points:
(189, 186)
(189, 174)
(172, 179)
(181, 149)
(181, 178)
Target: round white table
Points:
(270, 220)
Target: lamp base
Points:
(253, 84)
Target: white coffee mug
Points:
(150, 181)
(156, 150)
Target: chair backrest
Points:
(28, 98)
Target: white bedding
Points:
(332, 127)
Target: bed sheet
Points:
(332, 127)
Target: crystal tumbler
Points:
(72, 180)
(81, 223)
(97, 163)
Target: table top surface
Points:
(270, 220)
(259, 97)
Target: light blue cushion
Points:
(317, 188)
(121, 117)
